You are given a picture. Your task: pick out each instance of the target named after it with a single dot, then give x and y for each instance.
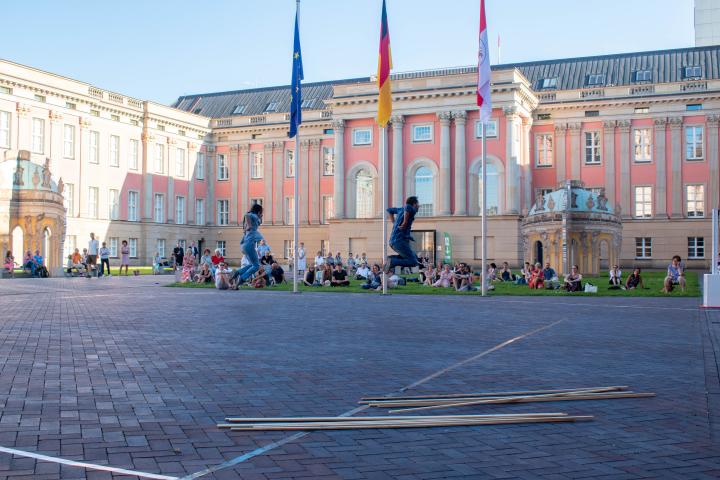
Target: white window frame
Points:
(426, 133)
(223, 212)
(199, 211)
(328, 161)
(364, 141)
(134, 154)
(592, 149)
(220, 245)
(289, 163)
(288, 248)
(69, 195)
(548, 83)
(696, 245)
(180, 162)
(38, 135)
(93, 202)
(68, 141)
(94, 147)
(643, 246)
(544, 156)
(133, 198)
(694, 206)
(159, 158)
(223, 169)
(132, 245)
(643, 201)
(5, 129)
(643, 76)
(692, 71)
(257, 201)
(257, 165)
(642, 145)
(328, 209)
(289, 210)
(114, 204)
(595, 79)
(200, 166)
(491, 129)
(114, 151)
(160, 247)
(179, 210)
(159, 207)
(113, 247)
(697, 142)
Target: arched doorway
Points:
(604, 255)
(18, 247)
(47, 246)
(538, 251)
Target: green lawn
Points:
(653, 283)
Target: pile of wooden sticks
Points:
(351, 423)
(431, 402)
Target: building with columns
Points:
(639, 130)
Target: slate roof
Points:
(664, 66)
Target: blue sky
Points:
(159, 50)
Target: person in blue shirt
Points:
(251, 237)
(37, 262)
(400, 237)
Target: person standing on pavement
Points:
(178, 255)
(92, 254)
(104, 260)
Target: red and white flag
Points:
(483, 85)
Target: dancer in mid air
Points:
(251, 237)
(400, 237)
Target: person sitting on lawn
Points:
(427, 272)
(216, 260)
(157, 264)
(634, 280)
(9, 264)
(573, 280)
(362, 272)
(537, 278)
(675, 275)
(462, 278)
(506, 274)
(222, 276)
(325, 274)
(374, 279)
(524, 276)
(310, 277)
(260, 280)
(339, 276)
(204, 275)
(550, 276)
(267, 259)
(319, 259)
(492, 273)
(351, 265)
(615, 277)
(188, 266)
(277, 273)
(445, 278)
(206, 258)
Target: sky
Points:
(159, 50)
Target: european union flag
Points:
(297, 76)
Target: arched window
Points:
(364, 194)
(493, 197)
(47, 246)
(424, 191)
(18, 248)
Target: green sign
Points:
(447, 248)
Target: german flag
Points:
(383, 74)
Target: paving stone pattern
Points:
(124, 372)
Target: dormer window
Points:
(308, 103)
(643, 76)
(239, 109)
(693, 72)
(548, 83)
(596, 79)
(271, 107)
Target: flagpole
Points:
(384, 167)
(296, 209)
(483, 221)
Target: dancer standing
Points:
(251, 236)
(400, 237)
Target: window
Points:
(69, 195)
(696, 247)
(592, 113)
(159, 208)
(548, 83)
(308, 103)
(289, 210)
(180, 162)
(592, 148)
(180, 210)
(93, 202)
(132, 245)
(94, 147)
(643, 145)
(422, 133)
(134, 122)
(199, 211)
(200, 166)
(364, 193)
(271, 107)
(68, 141)
(362, 136)
(95, 113)
(493, 197)
(328, 209)
(693, 106)
(134, 154)
(288, 248)
(38, 135)
(222, 168)
(643, 76)
(4, 129)
(544, 116)
(328, 161)
(695, 200)
(181, 133)
(490, 129)
(113, 247)
(6, 90)
(115, 118)
(114, 204)
(324, 247)
(258, 165)
(161, 128)
(544, 150)
(239, 109)
(159, 158)
(642, 109)
(223, 212)
(693, 72)
(160, 247)
(133, 199)
(424, 191)
(694, 146)
(256, 201)
(220, 245)
(643, 202)
(596, 79)
(544, 191)
(70, 245)
(643, 247)
(40, 98)
(114, 151)
(290, 164)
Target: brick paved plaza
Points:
(122, 372)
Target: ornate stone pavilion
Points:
(32, 214)
(586, 230)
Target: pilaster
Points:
(609, 154)
(460, 118)
(560, 129)
(713, 197)
(444, 207)
(575, 151)
(301, 170)
(169, 168)
(339, 177)
(623, 127)
(233, 172)
(676, 192)
(512, 174)
(315, 158)
(660, 207)
(244, 174)
(397, 122)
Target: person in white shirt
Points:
(302, 261)
(104, 260)
(362, 272)
(616, 277)
(93, 247)
(222, 276)
(319, 259)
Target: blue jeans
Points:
(406, 257)
(248, 270)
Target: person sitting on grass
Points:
(319, 259)
(492, 273)
(310, 277)
(634, 280)
(445, 278)
(277, 273)
(462, 278)
(188, 267)
(9, 264)
(326, 274)
(550, 276)
(204, 275)
(506, 274)
(573, 280)
(330, 260)
(260, 280)
(362, 272)
(206, 258)
(615, 275)
(524, 276)
(427, 274)
(222, 276)
(351, 265)
(157, 264)
(339, 276)
(537, 278)
(675, 275)
(374, 279)
(216, 260)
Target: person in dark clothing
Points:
(400, 237)
(339, 277)
(277, 273)
(178, 255)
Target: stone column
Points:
(712, 136)
(301, 170)
(460, 163)
(444, 207)
(576, 153)
(623, 127)
(190, 205)
(314, 184)
(233, 170)
(512, 177)
(24, 127)
(339, 177)
(609, 153)
(676, 124)
(147, 147)
(397, 122)
(528, 194)
(244, 180)
(560, 129)
(660, 167)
